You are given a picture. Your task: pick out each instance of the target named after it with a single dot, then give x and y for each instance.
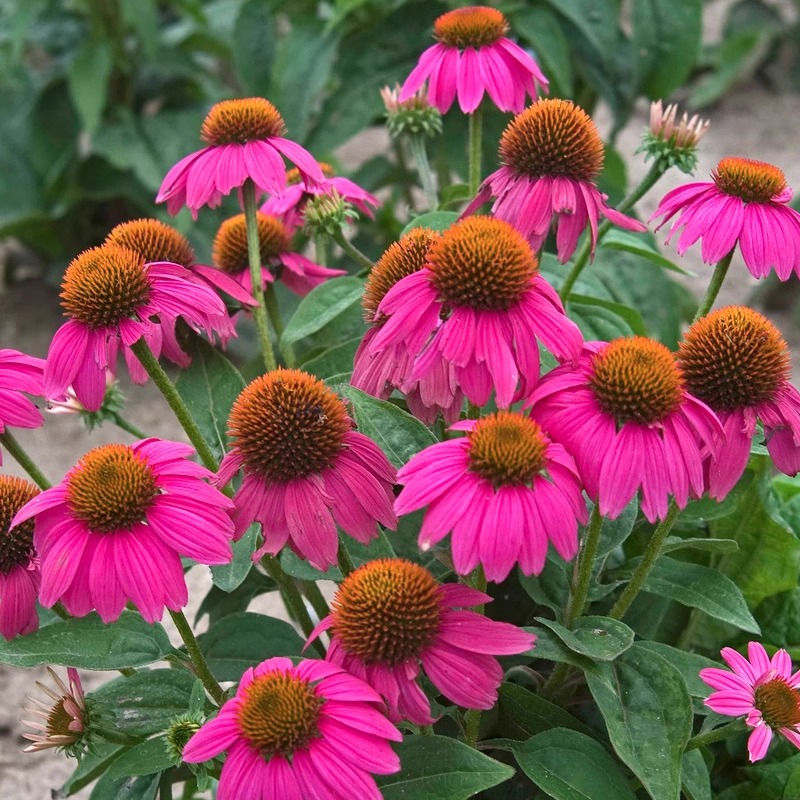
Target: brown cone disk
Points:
(16, 546)
(778, 703)
(229, 251)
(153, 240)
(753, 181)
(472, 26)
(248, 119)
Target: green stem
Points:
(121, 422)
(475, 150)
(315, 597)
(426, 177)
(717, 735)
(165, 785)
(472, 724)
(582, 257)
(274, 313)
(321, 248)
(24, 460)
(473, 411)
(352, 251)
(254, 260)
(720, 271)
(641, 572)
(586, 557)
(292, 599)
(553, 685)
(160, 378)
(346, 565)
(199, 662)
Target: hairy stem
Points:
(426, 177)
(720, 271)
(580, 590)
(475, 150)
(24, 460)
(199, 662)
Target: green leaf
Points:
(540, 27)
(254, 52)
(598, 322)
(688, 664)
(228, 577)
(532, 714)
(147, 702)
(441, 768)
(630, 316)
(435, 220)
(551, 587)
(699, 543)
(641, 245)
(599, 638)
(616, 531)
(219, 602)
(700, 587)
(549, 647)
(336, 360)
(142, 787)
(142, 759)
(571, 766)
(87, 79)
(89, 643)
(397, 433)
(322, 304)
(779, 616)
(209, 386)
(647, 711)
(695, 779)
(244, 640)
(91, 766)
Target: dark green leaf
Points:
(598, 322)
(571, 766)
(91, 766)
(322, 304)
(142, 759)
(688, 664)
(533, 714)
(551, 587)
(336, 360)
(694, 776)
(600, 638)
(142, 787)
(441, 768)
(630, 316)
(219, 603)
(244, 640)
(540, 27)
(699, 543)
(641, 245)
(435, 220)
(87, 79)
(779, 616)
(616, 531)
(255, 46)
(89, 643)
(647, 711)
(228, 576)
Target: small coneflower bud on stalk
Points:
(19, 373)
(472, 55)
(671, 143)
(551, 154)
(300, 732)
(113, 403)
(414, 115)
(19, 565)
(737, 362)
(305, 470)
(115, 528)
(747, 203)
(245, 140)
(627, 418)
(505, 491)
(391, 620)
(329, 214)
(765, 691)
(478, 305)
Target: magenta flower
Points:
(736, 361)
(763, 690)
(747, 203)
(111, 296)
(478, 305)
(19, 564)
(115, 528)
(245, 140)
(626, 417)
(390, 617)
(472, 56)
(305, 470)
(19, 373)
(278, 260)
(551, 155)
(505, 491)
(301, 732)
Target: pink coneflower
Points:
(305, 732)
(736, 361)
(390, 617)
(472, 56)
(19, 564)
(747, 203)
(115, 528)
(479, 305)
(290, 204)
(278, 261)
(379, 373)
(245, 140)
(626, 417)
(64, 716)
(505, 491)
(19, 373)
(551, 155)
(111, 296)
(305, 470)
(763, 690)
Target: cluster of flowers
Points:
(454, 316)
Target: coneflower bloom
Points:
(551, 155)
(19, 564)
(19, 373)
(736, 361)
(764, 690)
(298, 732)
(479, 305)
(628, 420)
(505, 491)
(290, 204)
(111, 296)
(391, 620)
(379, 373)
(115, 528)
(305, 470)
(63, 718)
(245, 139)
(471, 56)
(229, 254)
(747, 203)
